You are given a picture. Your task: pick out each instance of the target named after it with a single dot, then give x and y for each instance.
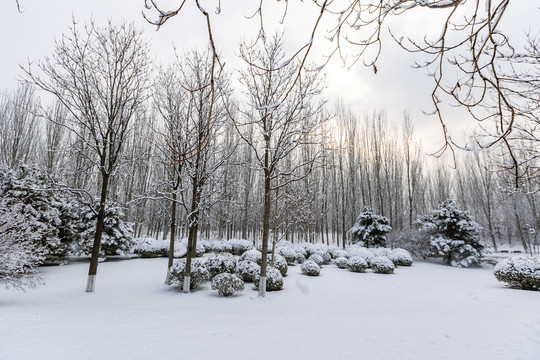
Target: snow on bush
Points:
(198, 275)
(301, 250)
(310, 268)
(311, 249)
(370, 229)
(342, 262)
(227, 284)
(150, 247)
(341, 253)
(333, 251)
(240, 246)
(317, 259)
(411, 240)
(382, 265)
(300, 258)
(220, 263)
(453, 234)
(274, 280)
(519, 272)
(327, 258)
(207, 245)
(279, 263)
(360, 251)
(357, 264)
(220, 246)
(253, 255)
(20, 252)
(288, 253)
(403, 258)
(248, 269)
(386, 253)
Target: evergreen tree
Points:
(453, 234)
(370, 229)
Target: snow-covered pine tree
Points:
(370, 229)
(116, 237)
(39, 204)
(20, 252)
(453, 234)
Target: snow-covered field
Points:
(428, 311)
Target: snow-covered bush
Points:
(227, 284)
(360, 251)
(301, 250)
(288, 253)
(198, 275)
(386, 253)
(116, 237)
(240, 246)
(300, 258)
(220, 246)
(20, 253)
(310, 268)
(453, 234)
(314, 248)
(370, 229)
(342, 262)
(519, 272)
(403, 258)
(279, 263)
(357, 264)
(253, 255)
(327, 258)
(274, 280)
(248, 269)
(333, 251)
(207, 245)
(220, 263)
(150, 247)
(317, 259)
(382, 265)
(341, 253)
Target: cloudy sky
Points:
(396, 87)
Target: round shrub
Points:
(325, 255)
(220, 246)
(342, 262)
(247, 270)
(198, 276)
(300, 258)
(357, 264)
(310, 268)
(150, 247)
(403, 258)
(206, 244)
(361, 252)
(301, 250)
(519, 272)
(252, 255)
(274, 280)
(199, 250)
(279, 263)
(317, 259)
(227, 284)
(240, 246)
(288, 253)
(332, 250)
(384, 252)
(341, 253)
(382, 265)
(220, 263)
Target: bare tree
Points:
(100, 76)
(278, 128)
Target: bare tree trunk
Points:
(91, 282)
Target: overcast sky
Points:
(396, 87)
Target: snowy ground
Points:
(428, 311)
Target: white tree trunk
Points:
(187, 283)
(262, 286)
(91, 283)
(168, 278)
